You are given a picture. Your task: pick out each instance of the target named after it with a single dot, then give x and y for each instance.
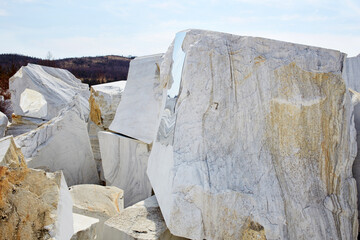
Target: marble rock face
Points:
(10, 155)
(84, 227)
(34, 205)
(21, 125)
(124, 162)
(3, 124)
(61, 144)
(104, 100)
(257, 138)
(41, 92)
(139, 112)
(142, 221)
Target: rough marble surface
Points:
(3, 124)
(34, 205)
(21, 125)
(10, 155)
(61, 144)
(138, 114)
(141, 221)
(104, 100)
(97, 201)
(351, 75)
(124, 162)
(262, 132)
(56, 86)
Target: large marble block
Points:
(61, 144)
(139, 112)
(124, 162)
(141, 221)
(3, 124)
(257, 137)
(104, 100)
(34, 205)
(41, 92)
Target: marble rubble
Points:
(3, 124)
(34, 204)
(139, 112)
(124, 161)
(141, 221)
(103, 101)
(97, 202)
(62, 144)
(41, 92)
(10, 154)
(84, 227)
(257, 138)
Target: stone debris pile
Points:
(221, 137)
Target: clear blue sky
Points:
(75, 28)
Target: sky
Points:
(76, 28)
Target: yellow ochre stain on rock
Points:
(304, 120)
(95, 112)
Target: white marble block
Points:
(84, 227)
(104, 100)
(41, 92)
(138, 114)
(124, 162)
(61, 144)
(257, 137)
(142, 221)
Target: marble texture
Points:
(99, 202)
(351, 75)
(141, 221)
(104, 100)
(260, 141)
(21, 125)
(61, 144)
(3, 124)
(34, 205)
(124, 162)
(84, 227)
(139, 112)
(56, 87)
(10, 155)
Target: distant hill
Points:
(91, 70)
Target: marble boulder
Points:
(61, 144)
(257, 138)
(41, 92)
(34, 205)
(104, 100)
(139, 112)
(124, 162)
(10, 154)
